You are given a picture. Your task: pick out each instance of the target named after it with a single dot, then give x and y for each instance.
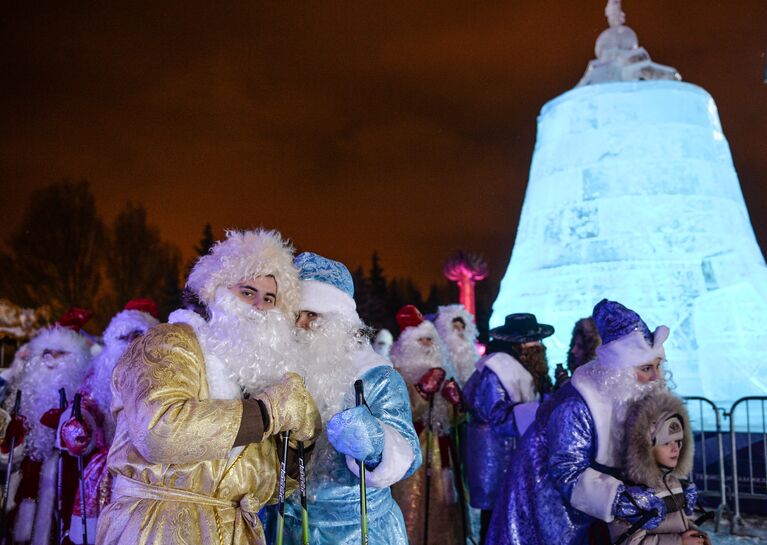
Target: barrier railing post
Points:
(722, 508)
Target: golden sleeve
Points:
(160, 382)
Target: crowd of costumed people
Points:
(266, 412)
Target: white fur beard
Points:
(99, 383)
(412, 360)
(463, 355)
(621, 387)
(256, 347)
(326, 355)
(40, 392)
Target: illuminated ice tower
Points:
(633, 196)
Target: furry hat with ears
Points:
(642, 421)
(245, 255)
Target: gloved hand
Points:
(452, 392)
(690, 498)
(643, 501)
(76, 436)
(429, 383)
(291, 408)
(17, 429)
(357, 433)
(51, 418)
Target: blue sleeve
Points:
(487, 401)
(387, 396)
(571, 439)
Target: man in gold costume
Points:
(198, 402)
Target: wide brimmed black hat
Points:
(521, 328)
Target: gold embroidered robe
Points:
(410, 494)
(177, 479)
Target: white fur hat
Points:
(127, 321)
(245, 255)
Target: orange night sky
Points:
(405, 127)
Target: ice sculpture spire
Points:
(619, 56)
(633, 196)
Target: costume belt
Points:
(247, 507)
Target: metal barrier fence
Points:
(756, 481)
(701, 411)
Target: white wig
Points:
(444, 321)
(127, 321)
(245, 255)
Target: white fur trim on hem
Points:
(322, 298)
(594, 494)
(633, 349)
(515, 379)
(396, 459)
(76, 530)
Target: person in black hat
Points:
(502, 396)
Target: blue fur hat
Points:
(626, 339)
(326, 285)
(614, 321)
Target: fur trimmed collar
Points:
(642, 415)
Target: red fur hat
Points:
(408, 316)
(75, 318)
(144, 305)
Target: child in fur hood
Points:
(659, 452)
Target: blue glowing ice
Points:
(633, 196)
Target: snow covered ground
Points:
(755, 525)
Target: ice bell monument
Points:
(633, 196)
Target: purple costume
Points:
(561, 476)
(491, 432)
(534, 504)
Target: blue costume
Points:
(491, 395)
(334, 503)
(381, 434)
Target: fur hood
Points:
(244, 255)
(641, 418)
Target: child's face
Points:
(667, 454)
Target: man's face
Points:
(305, 319)
(52, 357)
(425, 340)
(459, 327)
(259, 292)
(649, 372)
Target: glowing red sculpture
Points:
(466, 269)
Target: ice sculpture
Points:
(633, 196)
(619, 56)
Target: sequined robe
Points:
(444, 509)
(176, 477)
(334, 498)
(555, 488)
(490, 395)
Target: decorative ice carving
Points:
(619, 56)
(633, 196)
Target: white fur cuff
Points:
(594, 494)
(396, 459)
